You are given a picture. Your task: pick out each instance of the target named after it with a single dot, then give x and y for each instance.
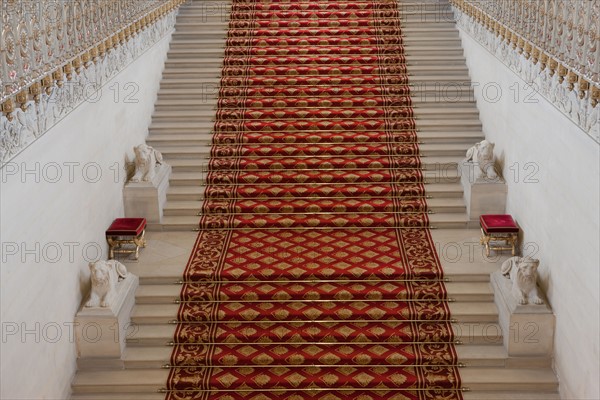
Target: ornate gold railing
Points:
(44, 41)
(563, 35)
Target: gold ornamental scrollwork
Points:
(42, 40)
(38, 55)
(562, 35)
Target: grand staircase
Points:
(183, 120)
(448, 124)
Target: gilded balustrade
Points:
(44, 42)
(562, 35)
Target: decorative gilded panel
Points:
(53, 53)
(554, 45)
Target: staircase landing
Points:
(445, 109)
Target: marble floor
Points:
(167, 253)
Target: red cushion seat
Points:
(498, 223)
(126, 227)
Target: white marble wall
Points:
(53, 221)
(552, 168)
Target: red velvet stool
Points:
(125, 231)
(498, 228)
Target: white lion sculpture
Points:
(482, 154)
(104, 277)
(522, 271)
(146, 160)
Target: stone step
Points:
(431, 21)
(436, 170)
(425, 70)
(218, 32)
(173, 77)
(198, 108)
(412, 44)
(480, 334)
(209, 87)
(147, 335)
(168, 116)
(190, 48)
(422, 125)
(418, 28)
(449, 220)
(213, 57)
(156, 357)
(206, 108)
(199, 18)
(193, 207)
(490, 379)
(195, 193)
(510, 395)
(416, 25)
(198, 178)
(466, 136)
(198, 25)
(459, 291)
(440, 220)
(480, 312)
(423, 64)
(214, 10)
(426, 150)
(123, 381)
(205, 139)
(476, 378)
(483, 336)
(410, 27)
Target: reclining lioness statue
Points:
(482, 154)
(104, 276)
(522, 271)
(146, 160)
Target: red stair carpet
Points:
(314, 275)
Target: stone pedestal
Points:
(147, 199)
(482, 195)
(101, 331)
(528, 329)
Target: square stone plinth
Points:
(528, 329)
(101, 331)
(147, 199)
(482, 195)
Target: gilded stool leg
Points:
(111, 246)
(140, 241)
(514, 244)
(485, 240)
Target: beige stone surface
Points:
(101, 332)
(147, 199)
(528, 329)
